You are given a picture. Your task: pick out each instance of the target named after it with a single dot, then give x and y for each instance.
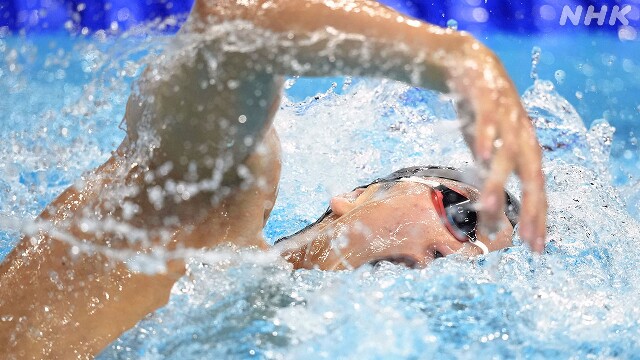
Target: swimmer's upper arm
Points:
(201, 111)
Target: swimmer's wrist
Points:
(471, 67)
(451, 55)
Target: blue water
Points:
(61, 106)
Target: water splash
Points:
(600, 138)
(560, 129)
(535, 60)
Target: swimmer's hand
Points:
(502, 139)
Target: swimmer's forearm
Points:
(58, 305)
(59, 309)
(358, 37)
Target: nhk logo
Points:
(617, 14)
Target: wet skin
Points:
(396, 222)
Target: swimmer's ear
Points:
(346, 202)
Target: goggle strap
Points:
(481, 245)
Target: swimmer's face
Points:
(394, 221)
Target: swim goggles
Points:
(455, 210)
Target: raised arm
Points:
(360, 37)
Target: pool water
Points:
(62, 104)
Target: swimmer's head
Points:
(410, 217)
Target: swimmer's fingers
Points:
(497, 123)
(486, 131)
(516, 147)
(497, 108)
(533, 215)
(504, 150)
(493, 197)
(533, 219)
(468, 126)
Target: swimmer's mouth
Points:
(406, 261)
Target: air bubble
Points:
(608, 59)
(452, 24)
(560, 75)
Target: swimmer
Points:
(200, 164)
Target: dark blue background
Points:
(519, 16)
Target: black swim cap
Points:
(512, 208)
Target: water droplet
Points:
(579, 95)
(347, 82)
(560, 76)
(290, 82)
(608, 59)
(329, 315)
(131, 68)
(452, 24)
(535, 60)
(242, 119)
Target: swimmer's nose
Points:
(446, 248)
(437, 250)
